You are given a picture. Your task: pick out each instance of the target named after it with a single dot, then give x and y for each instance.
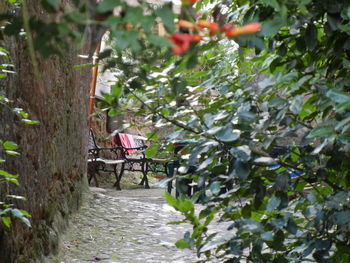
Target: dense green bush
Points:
(285, 86)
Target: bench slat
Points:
(158, 160)
(106, 161)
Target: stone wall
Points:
(52, 164)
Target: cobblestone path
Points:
(128, 226)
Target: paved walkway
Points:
(128, 226)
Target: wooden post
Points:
(94, 80)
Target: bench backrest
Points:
(93, 149)
(128, 141)
(92, 142)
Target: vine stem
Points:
(163, 116)
(173, 121)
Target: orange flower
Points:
(182, 42)
(128, 26)
(213, 28)
(203, 23)
(247, 29)
(186, 24)
(226, 28)
(196, 38)
(177, 50)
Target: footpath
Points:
(128, 226)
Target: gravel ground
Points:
(128, 226)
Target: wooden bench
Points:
(103, 159)
(133, 154)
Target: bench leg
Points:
(93, 176)
(169, 170)
(92, 172)
(118, 177)
(143, 175)
(90, 176)
(144, 168)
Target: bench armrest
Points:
(96, 151)
(136, 148)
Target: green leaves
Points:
(227, 134)
(323, 131)
(117, 90)
(296, 104)
(22, 215)
(252, 226)
(292, 226)
(291, 92)
(127, 39)
(152, 150)
(273, 3)
(273, 204)
(271, 27)
(167, 16)
(7, 211)
(9, 177)
(282, 182)
(338, 96)
(342, 218)
(30, 122)
(6, 220)
(183, 205)
(51, 5)
(242, 170)
(182, 244)
(215, 187)
(311, 36)
(159, 41)
(107, 5)
(242, 152)
(9, 145)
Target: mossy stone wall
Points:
(52, 164)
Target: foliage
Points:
(285, 88)
(7, 208)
